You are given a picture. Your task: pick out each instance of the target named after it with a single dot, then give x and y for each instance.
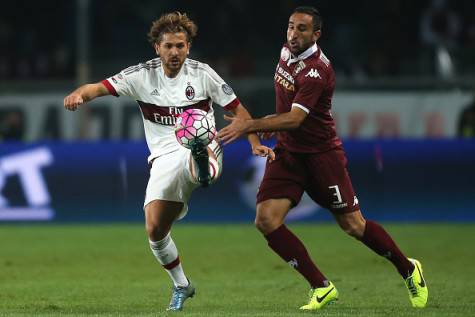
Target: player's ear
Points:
(157, 48)
(316, 35)
(188, 51)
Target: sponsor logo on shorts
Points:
(339, 206)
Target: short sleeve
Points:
(310, 88)
(219, 91)
(123, 83)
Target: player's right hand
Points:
(73, 101)
(264, 151)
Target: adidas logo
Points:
(155, 92)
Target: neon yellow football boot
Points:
(417, 287)
(319, 297)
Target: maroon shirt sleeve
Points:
(309, 88)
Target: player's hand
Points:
(232, 131)
(73, 101)
(263, 151)
(265, 135)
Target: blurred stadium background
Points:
(404, 105)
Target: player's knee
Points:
(265, 223)
(270, 215)
(155, 232)
(354, 229)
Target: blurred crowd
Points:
(369, 39)
(365, 39)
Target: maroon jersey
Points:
(307, 82)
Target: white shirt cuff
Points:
(301, 107)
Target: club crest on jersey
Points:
(227, 89)
(190, 92)
(300, 66)
(285, 54)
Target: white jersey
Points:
(162, 99)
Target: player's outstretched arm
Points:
(279, 122)
(84, 94)
(257, 148)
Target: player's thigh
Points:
(171, 179)
(284, 178)
(329, 183)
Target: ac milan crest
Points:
(190, 92)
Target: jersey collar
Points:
(180, 72)
(308, 52)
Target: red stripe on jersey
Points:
(110, 88)
(233, 104)
(167, 115)
(172, 264)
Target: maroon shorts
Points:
(323, 176)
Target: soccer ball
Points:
(194, 126)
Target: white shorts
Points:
(171, 178)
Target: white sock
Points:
(167, 254)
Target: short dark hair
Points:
(316, 17)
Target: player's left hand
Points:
(232, 131)
(264, 151)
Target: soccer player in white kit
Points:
(164, 87)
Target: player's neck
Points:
(171, 74)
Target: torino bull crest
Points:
(194, 126)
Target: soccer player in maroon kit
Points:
(310, 158)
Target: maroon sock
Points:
(378, 240)
(292, 250)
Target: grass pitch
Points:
(108, 270)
